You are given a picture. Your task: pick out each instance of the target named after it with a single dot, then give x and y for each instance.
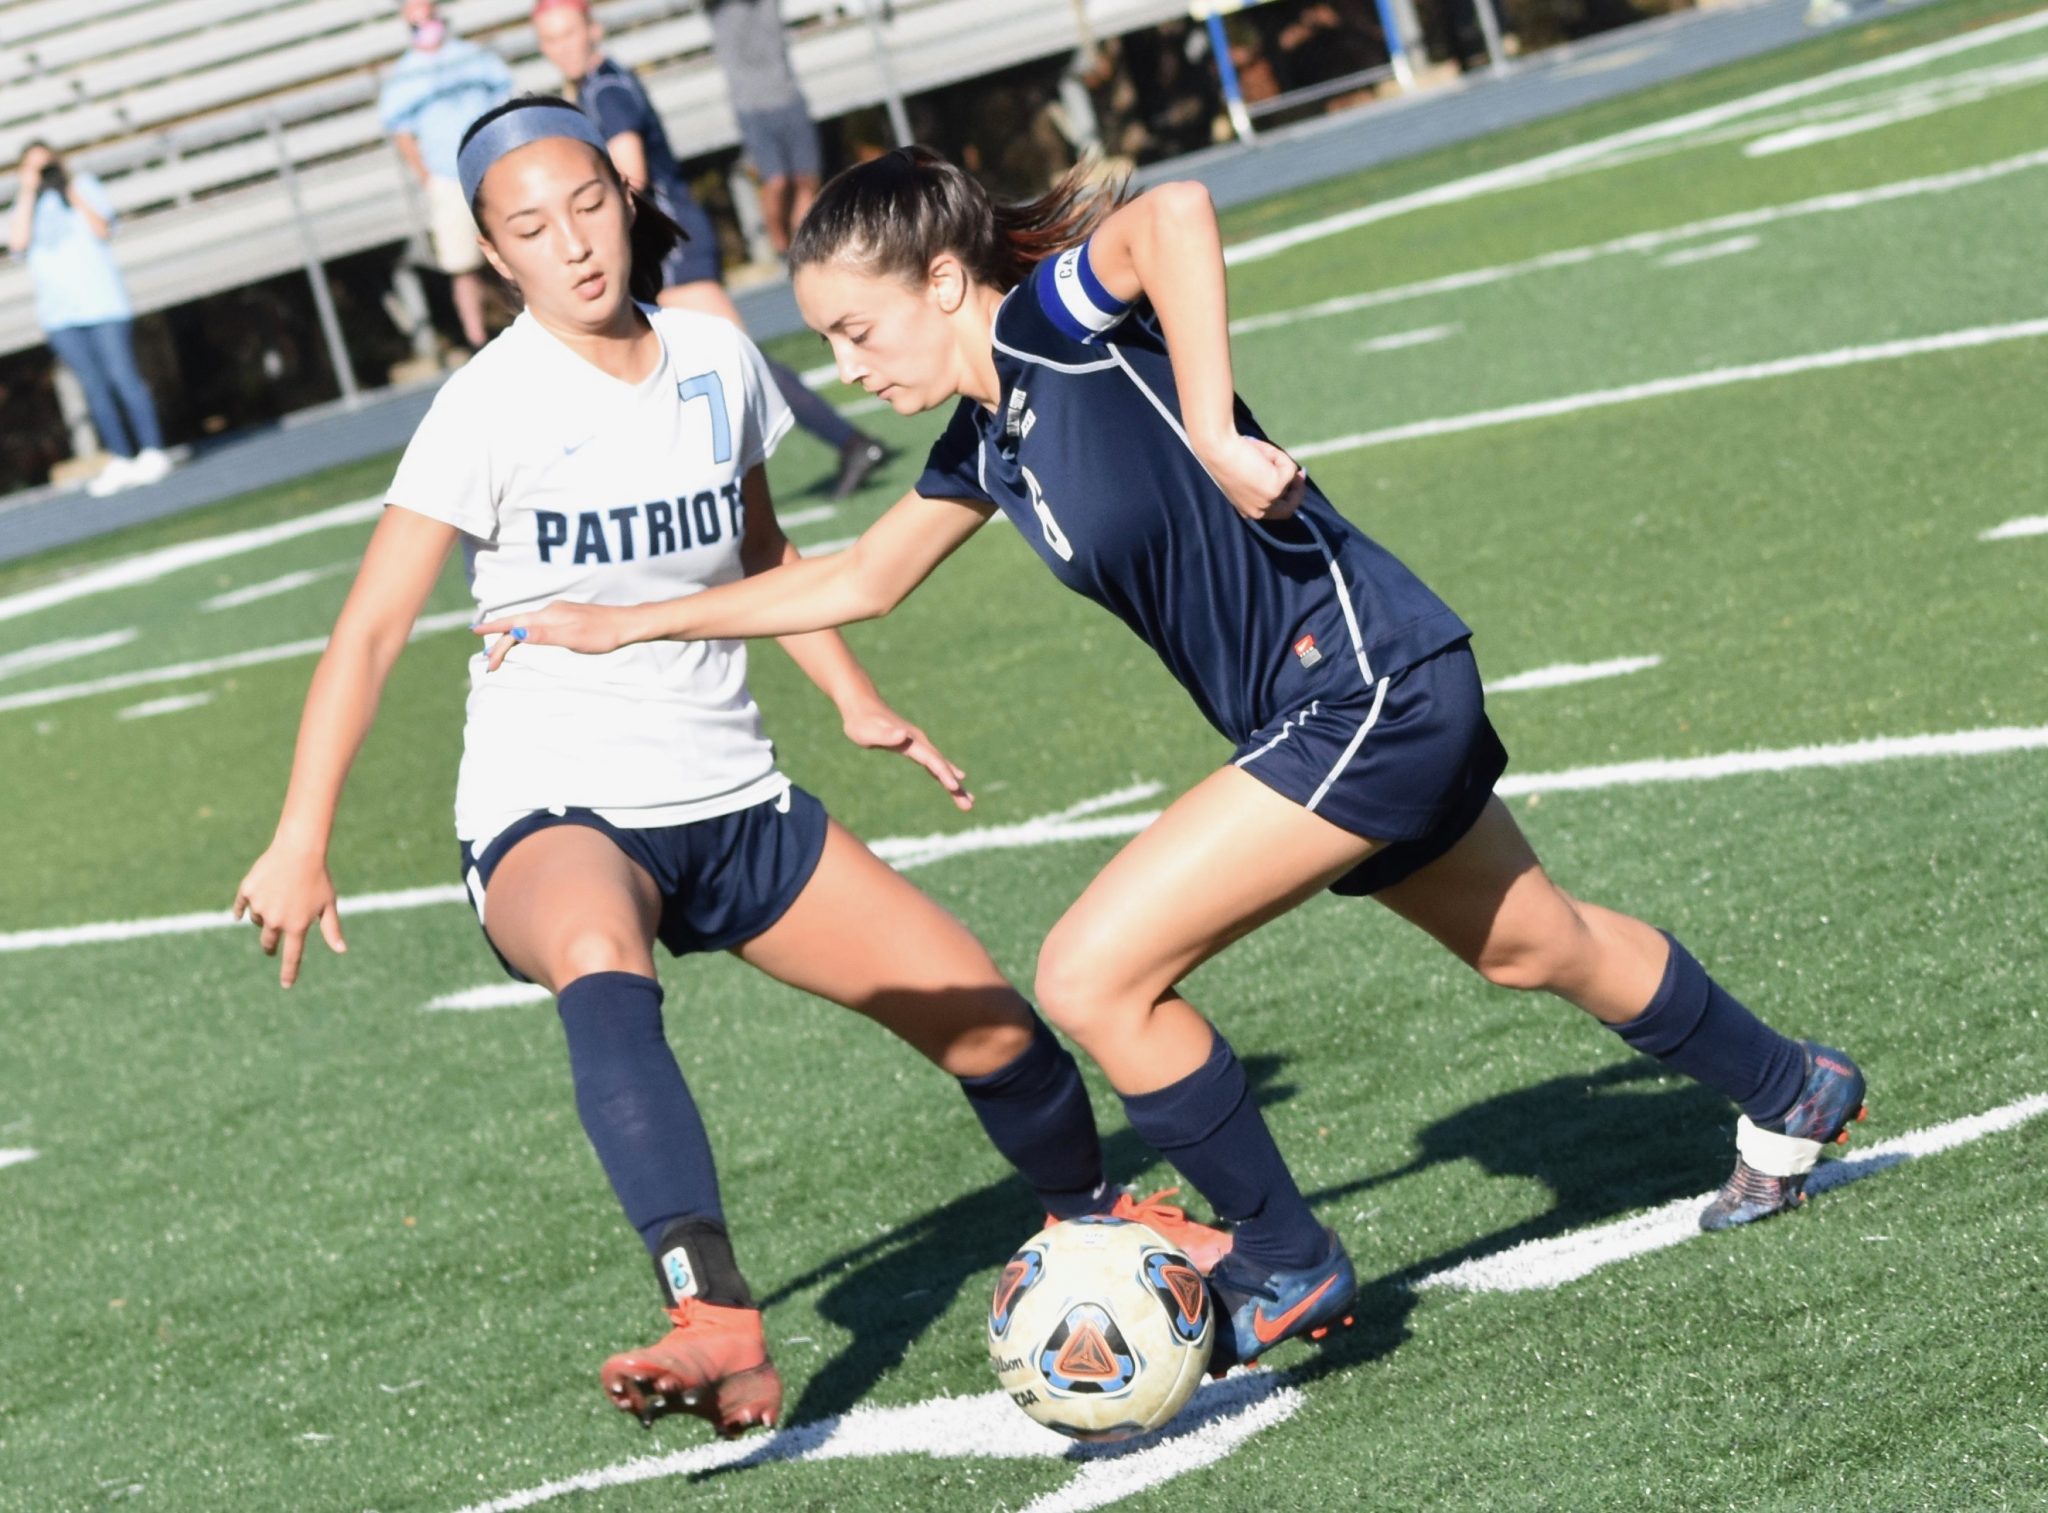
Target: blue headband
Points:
(516, 129)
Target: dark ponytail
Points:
(895, 214)
(654, 234)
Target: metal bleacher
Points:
(191, 110)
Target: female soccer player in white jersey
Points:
(611, 452)
(1088, 347)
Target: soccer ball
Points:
(1100, 1329)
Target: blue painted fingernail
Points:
(519, 633)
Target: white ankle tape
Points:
(1772, 1154)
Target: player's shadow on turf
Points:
(1603, 1145)
(898, 1284)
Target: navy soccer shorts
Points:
(1410, 761)
(696, 258)
(723, 881)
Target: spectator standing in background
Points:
(62, 222)
(436, 88)
(775, 122)
(693, 275)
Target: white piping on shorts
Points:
(1299, 717)
(1372, 718)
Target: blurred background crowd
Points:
(226, 212)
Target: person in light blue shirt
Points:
(430, 96)
(62, 222)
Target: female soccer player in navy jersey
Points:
(1087, 345)
(609, 451)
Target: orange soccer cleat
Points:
(1203, 1244)
(713, 1364)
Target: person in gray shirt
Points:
(775, 122)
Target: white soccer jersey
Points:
(577, 486)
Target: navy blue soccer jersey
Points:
(1087, 457)
(616, 100)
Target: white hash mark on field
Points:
(17, 1156)
(914, 851)
(1221, 1416)
(1911, 102)
(1685, 383)
(32, 657)
(1398, 341)
(1648, 241)
(177, 672)
(492, 995)
(272, 588)
(2012, 530)
(1673, 128)
(1563, 674)
(149, 566)
(177, 702)
(1542, 1264)
(1685, 257)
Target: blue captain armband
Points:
(1073, 297)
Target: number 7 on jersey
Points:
(709, 386)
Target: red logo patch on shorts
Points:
(1305, 649)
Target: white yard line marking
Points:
(1221, 1416)
(492, 995)
(826, 548)
(1399, 340)
(1685, 257)
(177, 672)
(811, 516)
(1076, 822)
(1790, 759)
(1649, 241)
(1693, 123)
(31, 657)
(2012, 530)
(172, 705)
(16, 1157)
(1083, 822)
(1910, 102)
(1543, 1264)
(1687, 383)
(235, 598)
(150, 566)
(1563, 673)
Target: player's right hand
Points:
(1261, 481)
(284, 895)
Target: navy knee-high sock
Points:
(634, 1104)
(1695, 1026)
(810, 408)
(1036, 1113)
(1207, 1125)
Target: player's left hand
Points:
(593, 628)
(1261, 481)
(880, 728)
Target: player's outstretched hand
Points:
(579, 627)
(1261, 481)
(880, 728)
(284, 895)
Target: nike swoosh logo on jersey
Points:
(571, 448)
(1269, 1330)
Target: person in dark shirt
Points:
(694, 274)
(1087, 346)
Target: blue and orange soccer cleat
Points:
(1772, 1161)
(1254, 1313)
